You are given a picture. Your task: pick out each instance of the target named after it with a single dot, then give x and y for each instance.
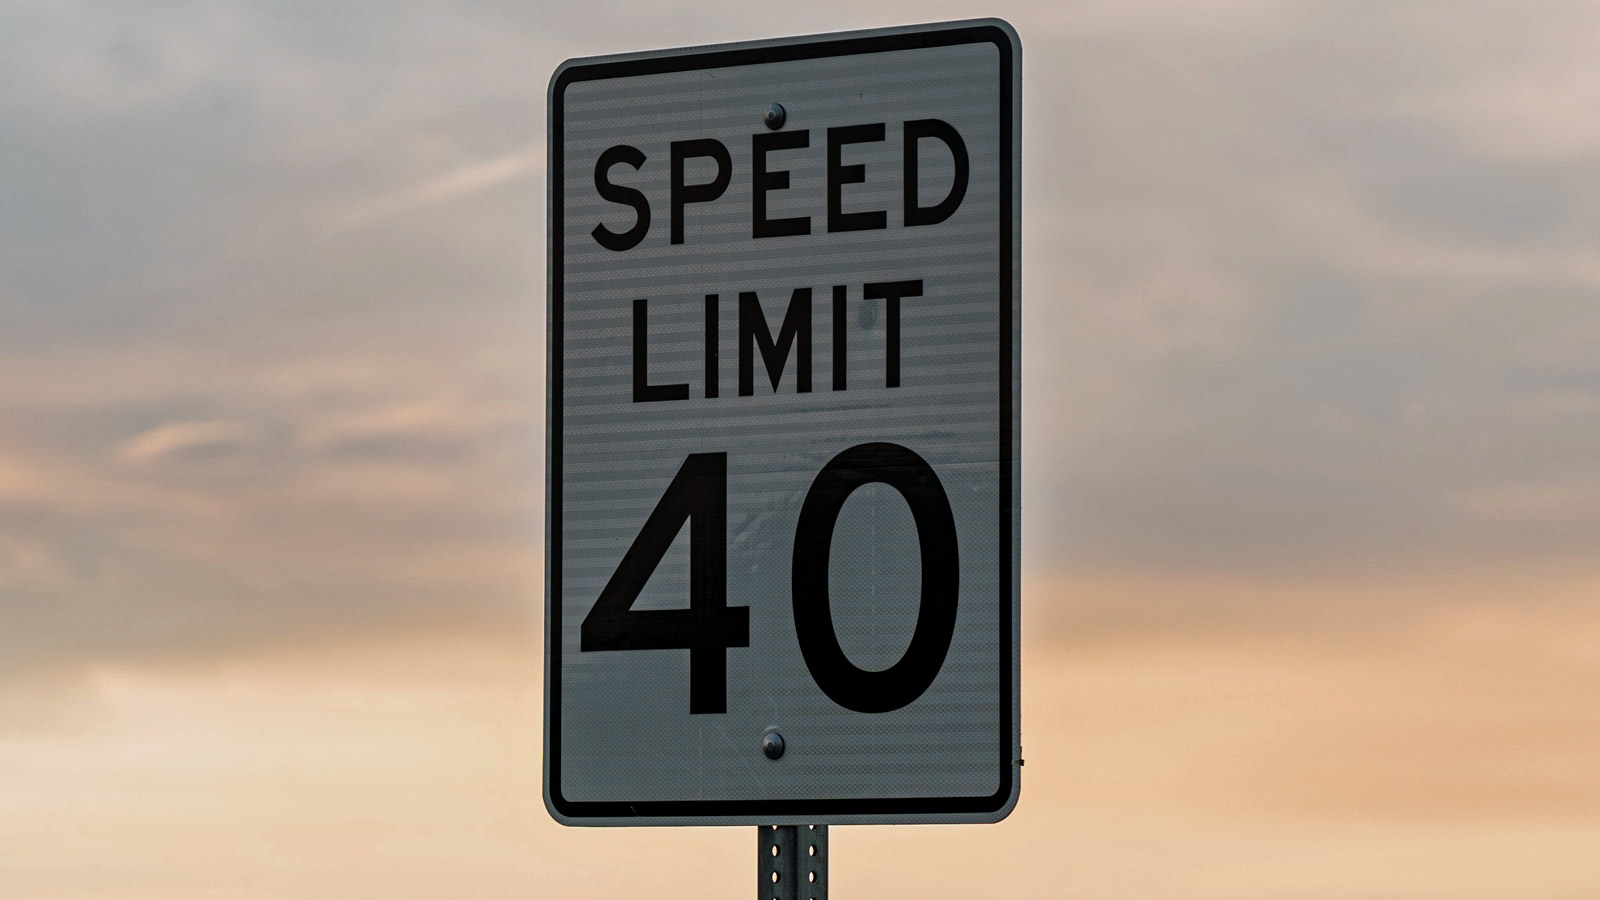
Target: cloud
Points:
(1566, 503)
(1308, 294)
(1310, 482)
(1289, 308)
(1446, 761)
(463, 181)
(183, 439)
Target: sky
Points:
(1311, 482)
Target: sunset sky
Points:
(1311, 515)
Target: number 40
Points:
(699, 494)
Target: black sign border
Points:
(759, 811)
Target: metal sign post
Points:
(784, 424)
(791, 862)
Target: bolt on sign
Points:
(784, 431)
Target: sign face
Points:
(784, 432)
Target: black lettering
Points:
(845, 683)
(915, 131)
(696, 193)
(643, 390)
(839, 330)
(627, 196)
(698, 495)
(840, 175)
(753, 332)
(890, 292)
(762, 181)
(712, 348)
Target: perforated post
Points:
(791, 862)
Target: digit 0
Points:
(846, 684)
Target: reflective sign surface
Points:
(784, 431)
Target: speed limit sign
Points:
(783, 454)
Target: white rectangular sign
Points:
(784, 431)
